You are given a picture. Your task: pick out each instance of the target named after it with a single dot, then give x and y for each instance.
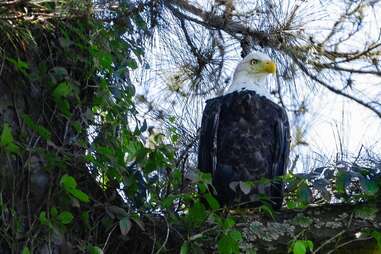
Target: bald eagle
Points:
(244, 138)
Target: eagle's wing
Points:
(280, 159)
(207, 153)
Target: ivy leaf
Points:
(39, 129)
(6, 135)
(63, 89)
(295, 204)
(65, 217)
(70, 185)
(80, 195)
(6, 139)
(366, 212)
(125, 225)
(227, 245)
(197, 213)
(184, 248)
(25, 250)
(228, 223)
(369, 187)
(267, 210)
(309, 244)
(20, 65)
(299, 247)
(85, 217)
(53, 212)
(304, 193)
(235, 235)
(168, 201)
(105, 60)
(95, 250)
(43, 219)
(377, 235)
(68, 182)
(213, 203)
(341, 181)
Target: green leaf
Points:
(43, 219)
(227, 245)
(53, 212)
(65, 217)
(366, 212)
(168, 201)
(105, 60)
(6, 139)
(197, 213)
(63, 89)
(70, 185)
(139, 21)
(19, 64)
(132, 63)
(267, 210)
(95, 250)
(377, 236)
(228, 223)
(235, 235)
(184, 248)
(39, 129)
(80, 195)
(63, 106)
(68, 182)
(25, 250)
(309, 244)
(125, 225)
(304, 193)
(6, 135)
(299, 247)
(341, 179)
(370, 187)
(85, 217)
(202, 188)
(213, 203)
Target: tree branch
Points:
(213, 21)
(335, 90)
(329, 227)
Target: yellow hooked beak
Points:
(268, 67)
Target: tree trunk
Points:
(45, 133)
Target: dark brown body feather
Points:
(244, 137)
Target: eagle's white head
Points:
(251, 74)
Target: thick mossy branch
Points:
(336, 228)
(327, 226)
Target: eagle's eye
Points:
(253, 61)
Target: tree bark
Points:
(336, 228)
